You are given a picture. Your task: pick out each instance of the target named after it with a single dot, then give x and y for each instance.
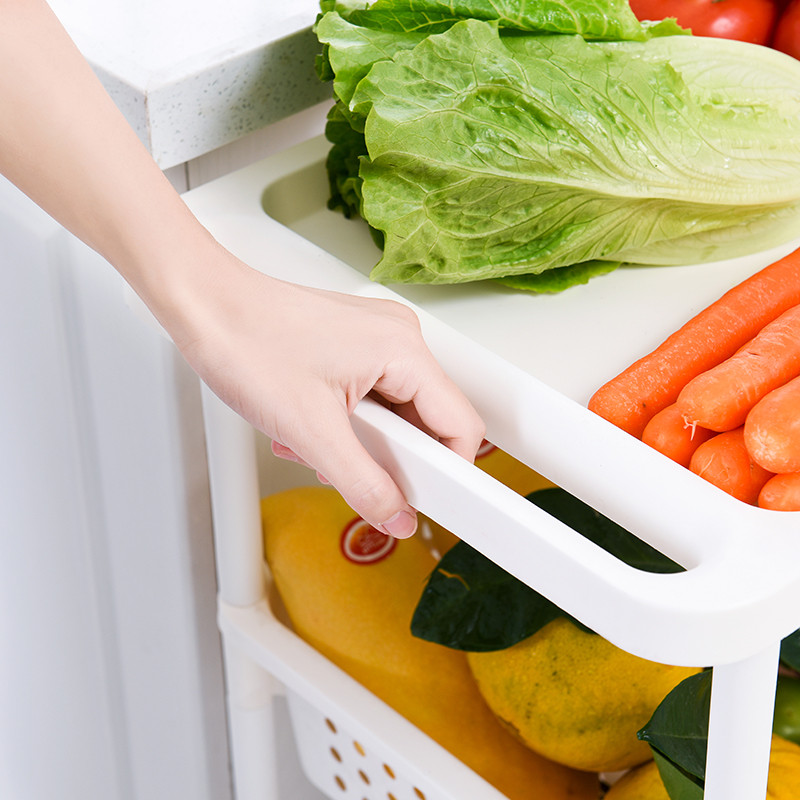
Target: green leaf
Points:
(602, 531)
(351, 50)
(470, 603)
(680, 785)
(348, 148)
(560, 278)
(678, 729)
(790, 650)
(786, 720)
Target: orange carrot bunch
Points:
(721, 395)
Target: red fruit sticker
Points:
(363, 544)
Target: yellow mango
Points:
(350, 591)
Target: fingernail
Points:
(285, 453)
(401, 525)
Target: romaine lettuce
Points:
(489, 149)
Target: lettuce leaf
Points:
(592, 19)
(504, 139)
(348, 147)
(556, 280)
(356, 49)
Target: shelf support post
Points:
(740, 727)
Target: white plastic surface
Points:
(529, 364)
(234, 503)
(382, 732)
(740, 726)
(343, 767)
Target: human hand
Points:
(295, 362)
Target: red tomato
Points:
(746, 20)
(787, 34)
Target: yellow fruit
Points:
(784, 770)
(641, 783)
(504, 468)
(644, 782)
(509, 471)
(438, 539)
(350, 591)
(574, 697)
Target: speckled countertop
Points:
(193, 75)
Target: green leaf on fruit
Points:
(790, 651)
(678, 729)
(680, 785)
(602, 531)
(470, 603)
(786, 721)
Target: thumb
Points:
(329, 445)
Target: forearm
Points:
(294, 362)
(66, 145)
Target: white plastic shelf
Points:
(529, 364)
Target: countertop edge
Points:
(216, 97)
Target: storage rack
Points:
(730, 608)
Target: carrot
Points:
(720, 398)
(772, 429)
(716, 333)
(670, 434)
(724, 461)
(781, 493)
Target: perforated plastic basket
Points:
(350, 743)
(339, 764)
(350, 767)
